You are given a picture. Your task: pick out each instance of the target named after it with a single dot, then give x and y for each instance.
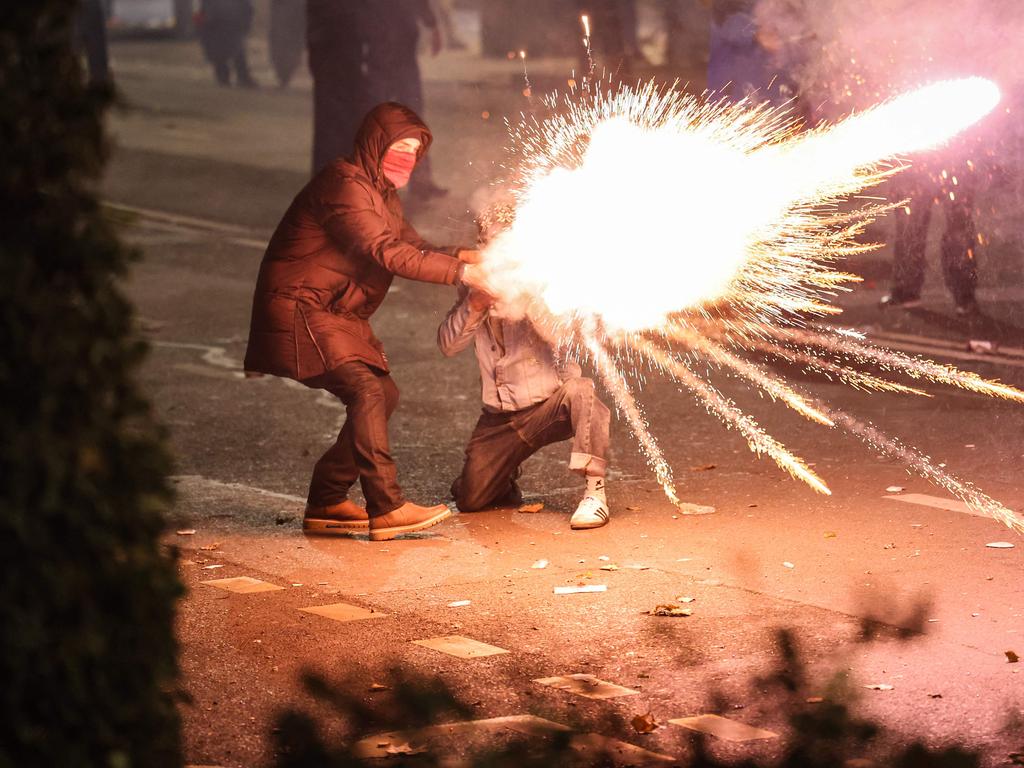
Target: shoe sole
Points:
(587, 526)
(386, 534)
(327, 527)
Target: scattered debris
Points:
(458, 603)
(186, 532)
(297, 584)
(880, 687)
(969, 445)
(283, 519)
(531, 508)
(703, 467)
(632, 509)
(686, 508)
(670, 609)
(981, 346)
(788, 564)
(579, 589)
(210, 547)
(814, 699)
(603, 558)
(999, 545)
(638, 567)
(610, 567)
(685, 599)
(830, 534)
(890, 545)
(212, 567)
(404, 749)
(894, 489)
(934, 695)
(1011, 657)
(378, 687)
(644, 723)
(540, 564)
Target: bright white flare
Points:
(669, 204)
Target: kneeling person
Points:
(530, 400)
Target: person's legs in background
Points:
(910, 239)
(494, 455)
(959, 250)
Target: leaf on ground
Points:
(529, 508)
(644, 723)
(686, 508)
(830, 534)
(879, 687)
(1011, 657)
(377, 687)
(703, 467)
(632, 509)
(670, 609)
(610, 567)
(186, 532)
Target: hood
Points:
(383, 126)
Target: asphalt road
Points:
(199, 178)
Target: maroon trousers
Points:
(362, 450)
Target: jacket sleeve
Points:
(459, 328)
(351, 221)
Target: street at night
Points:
(486, 384)
(890, 586)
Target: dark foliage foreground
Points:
(823, 732)
(87, 652)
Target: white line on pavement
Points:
(188, 221)
(944, 343)
(924, 500)
(237, 487)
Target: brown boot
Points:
(407, 518)
(336, 519)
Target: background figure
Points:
(222, 26)
(753, 51)
(955, 194)
(91, 39)
(393, 68)
(286, 37)
(336, 35)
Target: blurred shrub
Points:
(87, 651)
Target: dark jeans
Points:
(362, 450)
(502, 441)
(959, 241)
(222, 69)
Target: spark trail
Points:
(689, 231)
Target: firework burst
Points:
(654, 230)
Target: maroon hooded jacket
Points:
(332, 258)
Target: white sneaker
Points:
(591, 513)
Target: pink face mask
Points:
(397, 166)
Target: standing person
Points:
(223, 26)
(326, 271)
(530, 399)
(924, 188)
(336, 38)
(91, 39)
(393, 68)
(286, 37)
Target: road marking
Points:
(723, 728)
(587, 686)
(243, 585)
(924, 500)
(343, 612)
(396, 743)
(236, 487)
(181, 219)
(215, 356)
(947, 343)
(460, 647)
(934, 350)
